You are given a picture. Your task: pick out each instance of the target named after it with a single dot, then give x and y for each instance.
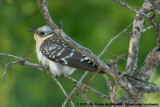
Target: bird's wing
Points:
(56, 50)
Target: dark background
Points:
(92, 23)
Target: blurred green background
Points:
(92, 23)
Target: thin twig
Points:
(23, 62)
(149, 27)
(157, 11)
(108, 83)
(131, 8)
(114, 92)
(153, 23)
(118, 56)
(87, 100)
(17, 57)
(61, 87)
(6, 67)
(93, 77)
(72, 98)
(89, 87)
(70, 94)
(140, 12)
(115, 70)
(127, 6)
(114, 38)
(158, 38)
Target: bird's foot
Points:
(46, 67)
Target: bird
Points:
(58, 56)
(61, 59)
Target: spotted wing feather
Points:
(56, 50)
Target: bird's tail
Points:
(135, 78)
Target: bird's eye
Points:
(41, 33)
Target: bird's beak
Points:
(31, 30)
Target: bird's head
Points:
(42, 33)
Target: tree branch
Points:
(24, 62)
(148, 89)
(131, 65)
(150, 64)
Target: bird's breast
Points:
(40, 56)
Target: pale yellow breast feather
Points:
(39, 40)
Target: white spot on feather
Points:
(89, 61)
(64, 59)
(59, 53)
(85, 58)
(93, 64)
(73, 50)
(70, 55)
(52, 47)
